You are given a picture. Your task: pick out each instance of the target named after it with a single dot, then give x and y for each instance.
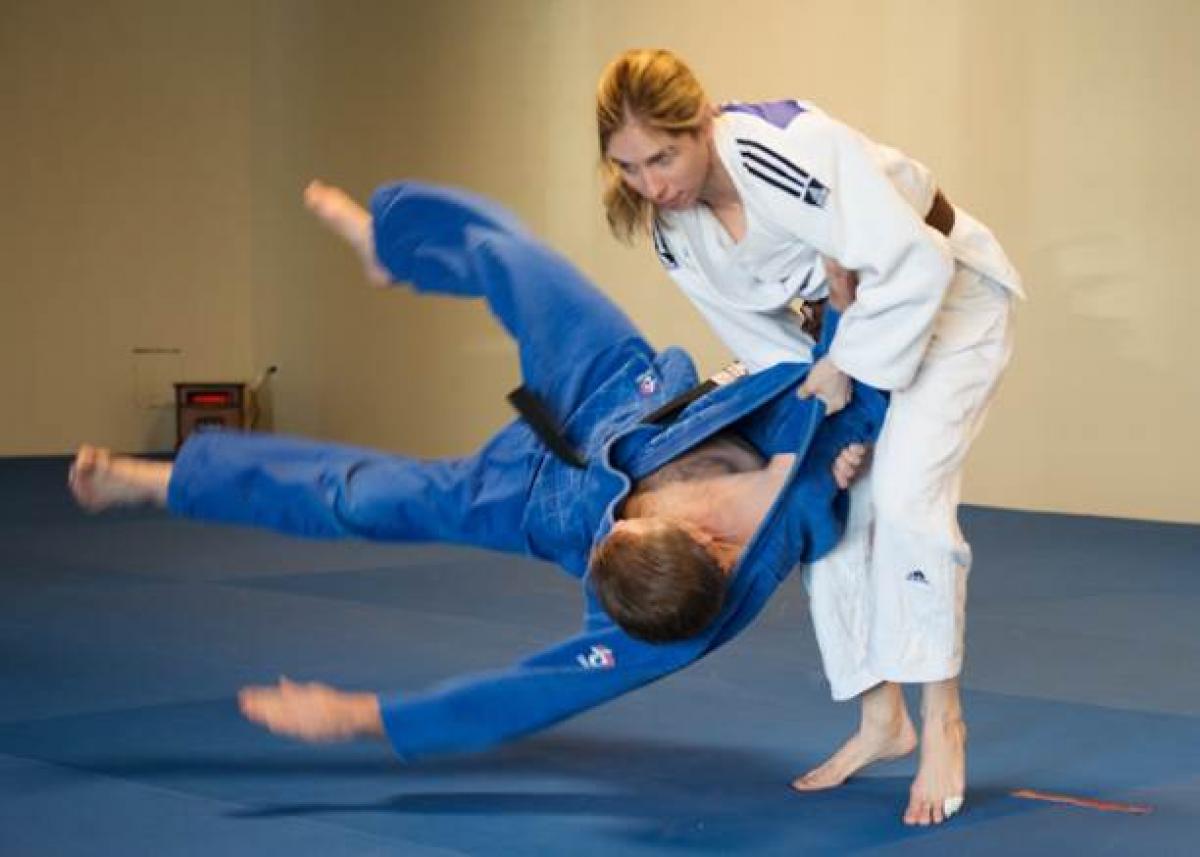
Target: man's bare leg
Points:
(937, 792)
(98, 479)
(351, 221)
(885, 732)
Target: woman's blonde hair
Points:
(655, 88)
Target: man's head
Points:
(660, 580)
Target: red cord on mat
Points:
(1089, 803)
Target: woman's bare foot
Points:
(98, 479)
(886, 732)
(348, 219)
(938, 790)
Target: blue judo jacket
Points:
(599, 378)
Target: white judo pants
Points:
(888, 603)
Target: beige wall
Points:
(125, 153)
(157, 151)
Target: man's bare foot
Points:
(937, 792)
(98, 479)
(886, 732)
(348, 219)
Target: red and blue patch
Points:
(597, 658)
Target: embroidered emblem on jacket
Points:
(917, 576)
(647, 384)
(597, 658)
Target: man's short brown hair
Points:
(659, 586)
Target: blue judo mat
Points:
(123, 639)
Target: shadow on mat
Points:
(719, 817)
(652, 791)
(662, 801)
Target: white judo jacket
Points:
(812, 186)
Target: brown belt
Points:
(941, 214)
(940, 217)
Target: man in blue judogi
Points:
(615, 450)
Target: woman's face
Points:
(669, 169)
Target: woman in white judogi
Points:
(747, 206)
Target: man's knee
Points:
(388, 499)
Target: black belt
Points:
(538, 417)
(535, 413)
